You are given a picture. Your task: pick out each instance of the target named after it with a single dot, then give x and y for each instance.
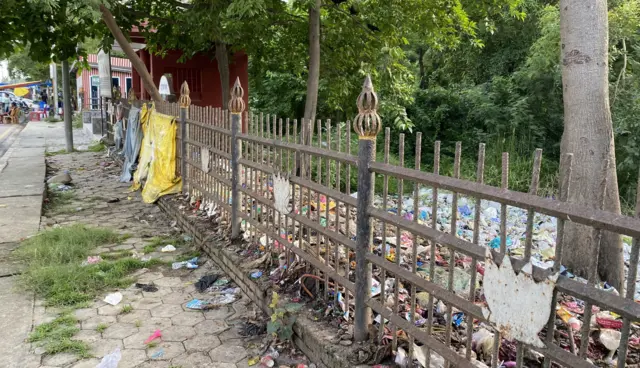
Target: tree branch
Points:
(622, 72)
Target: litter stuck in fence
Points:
(438, 268)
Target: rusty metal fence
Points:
(289, 185)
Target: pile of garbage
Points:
(266, 261)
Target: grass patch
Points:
(138, 323)
(59, 201)
(55, 153)
(116, 255)
(126, 309)
(101, 327)
(152, 345)
(54, 269)
(149, 249)
(55, 337)
(187, 256)
(76, 122)
(164, 240)
(97, 147)
(52, 119)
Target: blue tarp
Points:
(132, 144)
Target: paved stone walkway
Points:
(190, 338)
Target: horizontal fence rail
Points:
(406, 255)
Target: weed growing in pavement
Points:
(164, 240)
(112, 256)
(138, 323)
(55, 153)
(52, 119)
(76, 122)
(152, 345)
(101, 327)
(58, 201)
(97, 147)
(126, 309)
(149, 249)
(54, 269)
(55, 337)
(281, 324)
(187, 256)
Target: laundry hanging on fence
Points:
(132, 143)
(161, 179)
(145, 149)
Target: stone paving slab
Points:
(190, 338)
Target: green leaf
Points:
(293, 307)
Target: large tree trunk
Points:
(588, 133)
(147, 80)
(223, 69)
(313, 79)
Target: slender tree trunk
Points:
(622, 72)
(588, 133)
(54, 74)
(147, 80)
(313, 79)
(423, 82)
(66, 105)
(223, 69)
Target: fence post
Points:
(236, 107)
(367, 124)
(185, 102)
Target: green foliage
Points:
(126, 309)
(55, 336)
(21, 66)
(281, 324)
(96, 147)
(48, 29)
(54, 269)
(77, 121)
(102, 327)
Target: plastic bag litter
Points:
(206, 282)
(191, 264)
(155, 335)
(91, 260)
(168, 248)
(401, 358)
(110, 360)
(113, 299)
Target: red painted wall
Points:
(200, 72)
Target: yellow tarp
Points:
(161, 178)
(145, 150)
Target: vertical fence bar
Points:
(367, 124)
(593, 271)
(533, 189)
(236, 106)
(565, 180)
(185, 101)
(631, 288)
(433, 245)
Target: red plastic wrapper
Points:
(609, 323)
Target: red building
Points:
(88, 81)
(200, 72)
